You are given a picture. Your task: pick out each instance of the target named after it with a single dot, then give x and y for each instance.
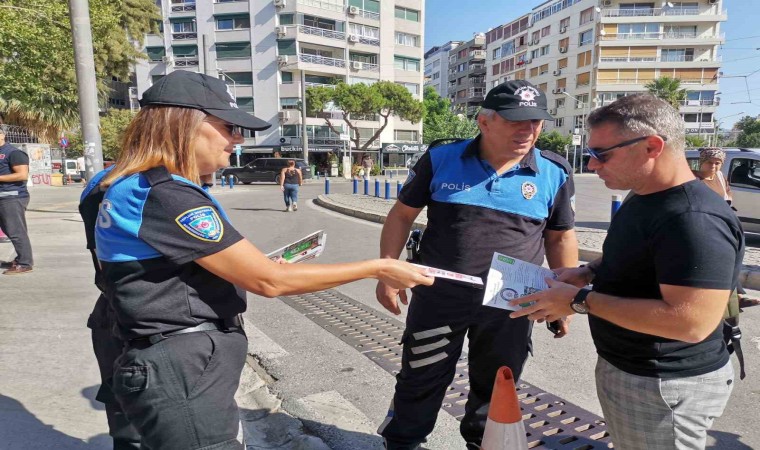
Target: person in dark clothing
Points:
(175, 270)
(290, 179)
(494, 193)
(14, 199)
(670, 260)
(106, 346)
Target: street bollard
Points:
(232, 181)
(356, 186)
(223, 182)
(366, 186)
(398, 188)
(327, 186)
(390, 174)
(317, 175)
(387, 190)
(617, 200)
(377, 187)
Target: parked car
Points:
(742, 170)
(264, 170)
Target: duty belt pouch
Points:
(732, 334)
(413, 246)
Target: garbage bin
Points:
(313, 170)
(334, 169)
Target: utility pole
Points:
(304, 134)
(84, 61)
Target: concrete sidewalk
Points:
(590, 240)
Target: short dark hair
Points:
(643, 114)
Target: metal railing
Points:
(699, 103)
(644, 12)
(659, 35)
(314, 31)
(183, 7)
(478, 54)
(369, 41)
(332, 115)
(636, 81)
(182, 36)
(185, 61)
(330, 6)
(620, 81)
(323, 60)
(369, 14)
(310, 84)
(365, 66)
(674, 58)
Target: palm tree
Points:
(668, 89)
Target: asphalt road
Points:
(309, 363)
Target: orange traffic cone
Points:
(504, 428)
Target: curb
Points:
(750, 279)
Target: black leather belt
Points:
(229, 324)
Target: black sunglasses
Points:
(232, 129)
(598, 153)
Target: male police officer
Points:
(494, 193)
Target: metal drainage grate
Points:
(550, 422)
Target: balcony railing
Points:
(699, 103)
(478, 54)
(177, 7)
(330, 6)
(314, 31)
(369, 41)
(332, 115)
(648, 12)
(659, 35)
(310, 84)
(323, 60)
(182, 36)
(673, 58)
(369, 14)
(185, 61)
(359, 65)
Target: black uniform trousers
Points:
(179, 393)
(107, 348)
(437, 322)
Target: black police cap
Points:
(517, 100)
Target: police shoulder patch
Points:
(202, 223)
(410, 177)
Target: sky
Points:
(739, 87)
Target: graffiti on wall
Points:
(40, 163)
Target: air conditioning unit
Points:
(168, 59)
(280, 31)
(284, 115)
(356, 65)
(353, 10)
(562, 29)
(558, 91)
(535, 41)
(282, 59)
(353, 38)
(552, 111)
(557, 72)
(279, 3)
(606, 2)
(563, 49)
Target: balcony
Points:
(184, 36)
(365, 40)
(183, 7)
(185, 61)
(660, 12)
(660, 36)
(322, 60)
(322, 5)
(699, 103)
(667, 59)
(360, 65)
(478, 54)
(322, 32)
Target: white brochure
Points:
(454, 276)
(303, 249)
(510, 278)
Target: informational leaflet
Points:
(454, 276)
(510, 278)
(303, 249)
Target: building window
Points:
(287, 77)
(413, 88)
(406, 39)
(245, 104)
(183, 26)
(559, 122)
(544, 69)
(289, 103)
(585, 38)
(286, 19)
(357, 80)
(562, 63)
(545, 31)
(534, 54)
(406, 135)
(583, 79)
(155, 53)
(233, 50)
(238, 22)
(587, 15)
(404, 63)
(240, 78)
(367, 5)
(407, 14)
(584, 59)
(496, 54)
(508, 48)
(364, 30)
(534, 72)
(187, 51)
(287, 47)
(544, 50)
(559, 102)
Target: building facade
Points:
(467, 75)
(587, 53)
(437, 67)
(268, 51)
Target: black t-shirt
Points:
(683, 236)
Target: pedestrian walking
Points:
(290, 179)
(81, 169)
(14, 199)
(367, 165)
(493, 193)
(175, 269)
(671, 258)
(106, 346)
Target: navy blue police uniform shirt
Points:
(474, 212)
(151, 227)
(11, 156)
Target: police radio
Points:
(413, 246)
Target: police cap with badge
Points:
(517, 100)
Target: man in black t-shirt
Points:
(14, 198)
(670, 260)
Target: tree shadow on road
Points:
(22, 430)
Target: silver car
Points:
(742, 170)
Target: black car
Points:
(264, 169)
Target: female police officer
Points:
(171, 263)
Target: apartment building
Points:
(437, 66)
(587, 53)
(467, 75)
(268, 50)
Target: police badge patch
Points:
(202, 223)
(529, 190)
(410, 177)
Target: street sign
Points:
(576, 139)
(63, 142)
(344, 137)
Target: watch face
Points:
(580, 308)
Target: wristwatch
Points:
(579, 304)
